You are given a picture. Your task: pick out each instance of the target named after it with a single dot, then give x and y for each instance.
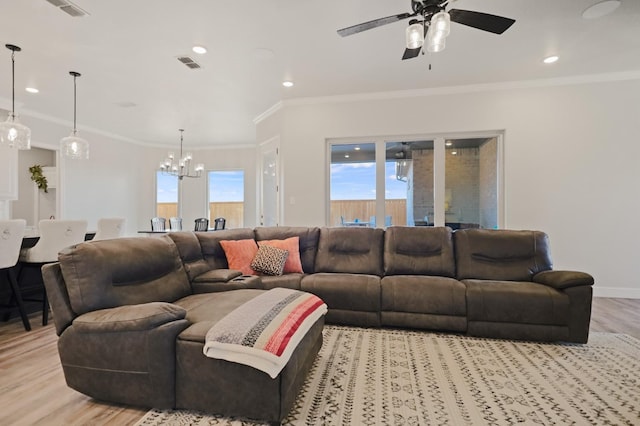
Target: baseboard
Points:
(617, 292)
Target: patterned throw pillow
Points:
(269, 260)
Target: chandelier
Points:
(181, 167)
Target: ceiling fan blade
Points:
(411, 53)
(374, 24)
(482, 21)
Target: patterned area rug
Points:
(391, 377)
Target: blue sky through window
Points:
(357, 181)
(226, 186)
(167, 188)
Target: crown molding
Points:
(271, 110)
(472, 88)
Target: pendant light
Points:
(73, 146)
(12, 132)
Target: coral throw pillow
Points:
(240, 254)
(292, 245)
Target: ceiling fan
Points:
(431, 26)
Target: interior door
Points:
(269, 178)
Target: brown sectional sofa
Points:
(132, 313)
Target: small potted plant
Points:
(38, 177)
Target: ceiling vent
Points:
(69, 8)
(189, 62)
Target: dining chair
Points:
(175, 223)
(219, 223)
(109, 228)
(55, 235)
(158, 223)
(201, 224)
(11, 234)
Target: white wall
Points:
(24, 206)
(108, 184)
(571, 161)
(194, 191)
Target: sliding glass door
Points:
(453, 181)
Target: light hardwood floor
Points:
(33, 390)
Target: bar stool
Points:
(11, 233)
(109, 228)
(55, 235)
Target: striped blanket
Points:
(264, 332)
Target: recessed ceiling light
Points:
(454, 152)
(31, 90)
(357, 148)
(550, 59)
(200, 50)
(287, 83)
(448, 143)
(600, 9)
(346, 156)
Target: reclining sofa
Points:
(132, 313)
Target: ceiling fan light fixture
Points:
(415, 35)
(435, 43)
(441, 24)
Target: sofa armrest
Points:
(217, 276)
(146, 316)
(563, 279)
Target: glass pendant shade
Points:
(435, 40)
(15, 134)
(12, 133)
(415, 36)
(74, 147)
(441, 24)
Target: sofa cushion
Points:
(292, 263)
(505, 255)
(145, 316)
(240, 254)
(269, 260)
(354, 292)
(350, 250)
(419, 250)
(516, 302)
(212, 250)
(124, 271)
(423, 294)
(202, 316)
(307, 241)
(286, 281)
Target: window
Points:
(353, 184)
(166, 195)
(419, 182)
(226, 197)
(471, 184)
(409, 183)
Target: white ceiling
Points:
(133, 86)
